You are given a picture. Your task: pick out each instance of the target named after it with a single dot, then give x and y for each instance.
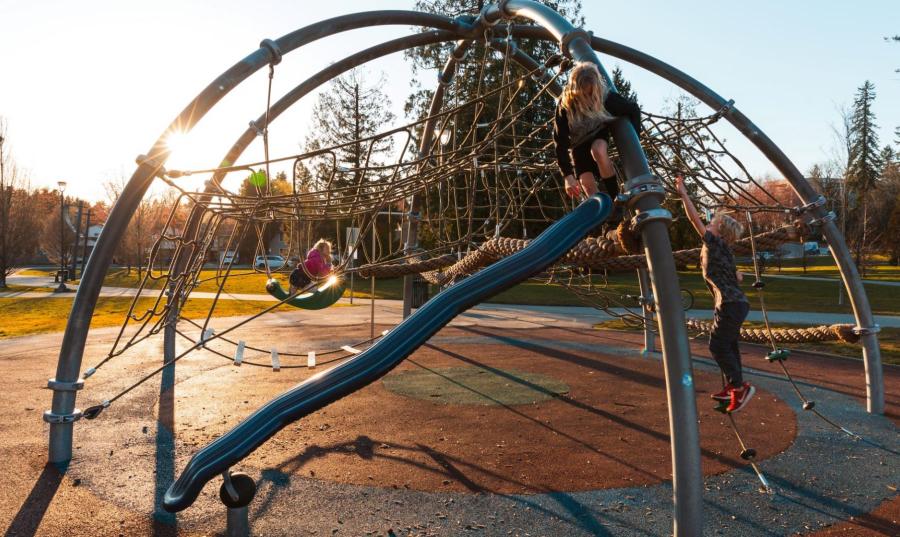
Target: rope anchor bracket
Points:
(778, 355)
(800, 209)
(829, 217)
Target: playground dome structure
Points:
(473, 184)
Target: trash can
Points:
(419, 291)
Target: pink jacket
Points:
(315, 265)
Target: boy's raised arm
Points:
(689, 208)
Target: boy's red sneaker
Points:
(724, 395)
(740, 397)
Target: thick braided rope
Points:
(768, 241)
(592, 252)
(835, 332)
(395, 270)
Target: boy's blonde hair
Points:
(729, 229)
(576, 102)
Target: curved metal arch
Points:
(575, 42)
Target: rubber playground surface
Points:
(486, 430)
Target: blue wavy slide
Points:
(376, 361)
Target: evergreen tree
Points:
(886, 159)
(885, 205)
(864, 162)
(352, 107)
(864, 153)
(623, 86)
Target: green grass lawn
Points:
(824, 267)
(888, 340)
(22, 317)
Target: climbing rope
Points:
(781, 354)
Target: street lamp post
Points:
(62, 238)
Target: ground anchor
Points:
(236, 492)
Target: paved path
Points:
(389, 310)
(826, 279)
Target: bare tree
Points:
(18, 217)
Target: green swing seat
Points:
(317, 298)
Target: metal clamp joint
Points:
(141, 160)
(445, 79)
(866, 331)
(50, 417)
(566, 39)
(60, 386)
(829, 217)
(272, 48)
(651, 215)
(639, 191)
(255, 127)
(726, 108)
(800, 209)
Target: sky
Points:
(87, 86)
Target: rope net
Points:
(486, 183)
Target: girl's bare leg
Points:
(600, 152)
(588, 183)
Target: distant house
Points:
(86, 242)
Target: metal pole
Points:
(643, 193)
(61, 288)
(412, 241)
(237, 522)
(412, 224)
(87, 232)
(647, 305)
(372, 301)
(72, 262)
(169, 331)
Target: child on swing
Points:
(316, 265)
(731, 305)
(583, 115)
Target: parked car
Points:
(229, 258)
(275, 262)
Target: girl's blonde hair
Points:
(578, 104)
(321, 244)
(729, 229)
